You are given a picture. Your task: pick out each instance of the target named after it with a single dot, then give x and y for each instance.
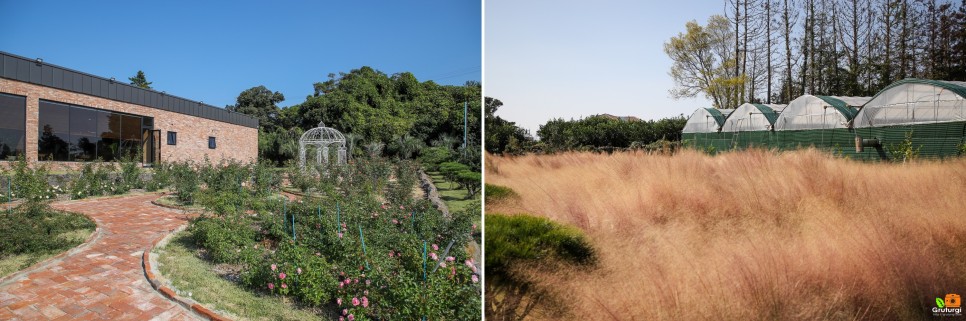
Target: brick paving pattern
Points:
(104, 281)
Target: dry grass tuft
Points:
(750, 235)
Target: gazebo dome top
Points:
(322, 135)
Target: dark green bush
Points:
(130, 176)
(31, 184)
(34, 227)
(185, 182)
(160, 179)
(519, 238)
(497, 193)
(227, 240)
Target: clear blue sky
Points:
(565, 58)
(213, 50)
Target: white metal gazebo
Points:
(322, 137)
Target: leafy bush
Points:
(33, 227)
(433, 156)
(308, 249)
(264, 179)
(185, 182)
(130, 177)
(224, 238)
(497, 193)
(516, 240)
(161, 177)
(905, 150)
(31, 184)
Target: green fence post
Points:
(364, 254)
(424, 260)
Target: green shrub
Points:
(31, 184)
(160, 179)
(518, 241)
(34, 227)
(497, 193)
(265, 180)
(518, 238)
(225, 239)
(185, 182)
(433, 156)
(905, 150)
(130, 176)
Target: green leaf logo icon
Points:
(940, 303)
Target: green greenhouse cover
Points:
(766, 111)
(718, 116)
(840, 106)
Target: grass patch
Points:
(172, 200)
(180, 263)
(25, 244)
(497, 193)
(451, 193)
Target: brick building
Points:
(61, 116)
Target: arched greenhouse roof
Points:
(752, 117)
(706, 120)
(915, 101)
(819, 112)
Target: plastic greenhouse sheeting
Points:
(752, 117)
(706, 120)
(819, 112)
(915, 101)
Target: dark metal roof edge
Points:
(245, 120)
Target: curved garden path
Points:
(103, 279)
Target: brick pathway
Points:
(104, 281)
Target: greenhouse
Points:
(751, 125)
(702, 128)
(931, 114)
(819, 121)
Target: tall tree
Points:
(702, 60)
(140, 80)
(261, 103)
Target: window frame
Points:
(212, 142)
(172, 139)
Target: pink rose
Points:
(338, 301)
(435, 247)
(450, 259)
(355, 301)
(365, 302)
(351, 318)
(475, 279)
(281, 276)
(274, 267)
(284, 286)
(298, 270)
(271, 286)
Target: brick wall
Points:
(233, 141)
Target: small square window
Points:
(172, 138)
(211, 143)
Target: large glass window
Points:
(12, 125)
(75, 133)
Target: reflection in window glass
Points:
(12, 126)
(75, 133)
(131, 134)
(54, 131)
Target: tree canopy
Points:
(395, 115)
(140, 80)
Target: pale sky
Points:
(548, 58)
